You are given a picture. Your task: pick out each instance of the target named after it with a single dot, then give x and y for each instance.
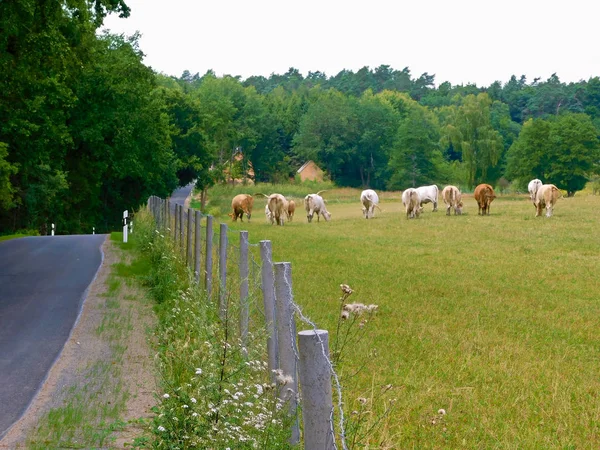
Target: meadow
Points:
(494, 319)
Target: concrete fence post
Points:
(286, 342)
(53, 231)
(223, 271)
(209, 256)
(93, 230)
(197, 243)
(190, 241)
(315, 382)
(244, 273)
(125, 215)
(268, 290)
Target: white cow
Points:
(314, 203)
(429, 194)
(453, 199)
(268, 214)
(532, 187)
(411, 201)
(370, 201)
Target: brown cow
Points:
(453, 199)
(291, 209)
(484, 195)
(241, 204)
(546, 196)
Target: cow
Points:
(428, 194)
(314, 203)
(453, 200)
(241, 204)
(484, 195)
(532, 187)
(268, 214)
(412, 203)
(277, 205)
(291, 209)
(370, 201)
(546, 196)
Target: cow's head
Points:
(309, 216)
(459, 208)
(327, 215)
(248, 215)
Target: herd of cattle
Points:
(279, 208)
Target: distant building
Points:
(310, 171)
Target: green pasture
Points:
(494, 319)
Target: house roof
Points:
(304, 165)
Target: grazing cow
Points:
(453, 199)
(291, 209)
(277, 204)
(241, 204)
(546, 196)
(484, 195)
(370, 201)
(412, 203)
(532, 187)
(314, 204)
(428, 194)
(268, 214)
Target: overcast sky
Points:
(460, 41)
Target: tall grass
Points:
(493, 319)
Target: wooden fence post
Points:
(315, 381)
(244, 273)
(268, 290)
(286, 342)
(188, 258)
(176, 231)
(125, 227)
(181, 236)
(198, 217)
(209, 256)
(223, 271)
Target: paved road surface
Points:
(42, 285)
(179, 196)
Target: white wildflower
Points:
(198, 371)
(442, 412)
(161, 428)
(193, 400)
(166, 395)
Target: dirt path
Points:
(92, 346)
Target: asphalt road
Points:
(43, 282)
(179, 196)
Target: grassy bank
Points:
(493, 319)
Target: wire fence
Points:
(227, 265)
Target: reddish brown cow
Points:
(484, 195)
(291, 209)
(241, 204)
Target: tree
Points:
(469, 129)
(563, 150)
(6, 171)
(415, 158)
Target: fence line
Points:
(297, 361)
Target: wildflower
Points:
(185, 406)
(442, 412)
(194, 414)
(346, 289)
(345, 315)
(198, 371)
(166, 395)
(259, 389)
(362, 400)
(161, 428)
(193, 400)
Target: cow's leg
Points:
(549, 211)
(434, 206)
(448, 210)
(538, 210)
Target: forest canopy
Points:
(87, 130)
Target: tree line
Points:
(87, 130)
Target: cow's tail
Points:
(377, 206)
(260, 193)
(320, 192)
(560, 194)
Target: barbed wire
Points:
(233, 283)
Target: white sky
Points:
(460, 41)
